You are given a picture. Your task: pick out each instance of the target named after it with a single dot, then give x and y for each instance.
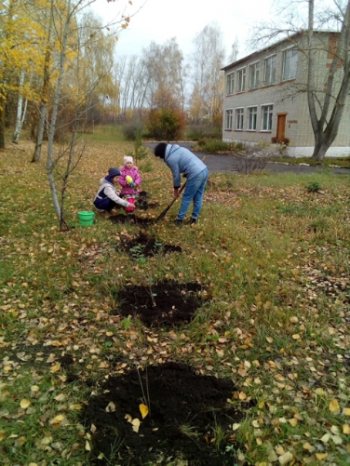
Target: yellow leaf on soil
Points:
(346, 411)
(60, 397)
(143, 410)
(87, 446)
(110, 408)
(136, 424)
(128, 417)
(56, 368)
(334, 406)
(242, 396)
(25, 403)
(293, 422)
(2, 435)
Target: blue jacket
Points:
(182, 161)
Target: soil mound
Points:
(146, 246)
(160, 305)
(189, 418)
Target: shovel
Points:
(165, 211)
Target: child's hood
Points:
(105, 181)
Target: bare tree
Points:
(326, 112)
(326, 94)
(207, 60)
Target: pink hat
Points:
(128, 159)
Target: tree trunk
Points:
(2, 119)
(21, 112)
(52, 127)
(44, 96)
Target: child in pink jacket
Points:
(130, 178)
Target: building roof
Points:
(290, 38)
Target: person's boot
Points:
(178, 222)
(192, 221)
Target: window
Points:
(241, 80)
(290, 61)
(270, 69)
(239, 118)
(230, 83)
(254, 76)
(266, 117)
(252, 115)
(228, 119)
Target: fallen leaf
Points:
(285, 458)
(334, 406)
(25, 403)
(321, 456)
(110, 408)
(346, 429)
(57, 420)
(143, 410)
(136, 424)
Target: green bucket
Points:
(86, 219)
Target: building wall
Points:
(287, 97)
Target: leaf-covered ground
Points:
(272, 261)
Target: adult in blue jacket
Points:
(182, 161)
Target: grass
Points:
(274, 266)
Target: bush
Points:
(197, 132)
(130, 130)
(165, 124)
(215, 146)
(314, 187)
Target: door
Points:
(281, 127)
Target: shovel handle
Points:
(171, 203)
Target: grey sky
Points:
(160, 20)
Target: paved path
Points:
(227, 164)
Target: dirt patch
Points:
(146, 246)
(142, 202)
(160, 305)
(189, 418)
(131, 219)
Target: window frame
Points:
(250, 108)
(254, 69)
(268, 120)
(284, 55)
(272, 75)
(239, 118)
(241, 78)
(230, 83)
(227, 118)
